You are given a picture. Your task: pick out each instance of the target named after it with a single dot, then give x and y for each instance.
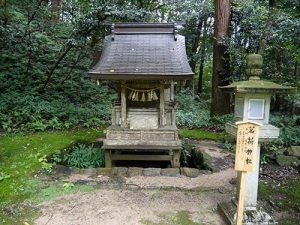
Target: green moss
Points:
(19, 158)
(201, 134)
(264, 190)
(286, 197)
(292, 192)
(289, 221)
(179, 218)
(44, 192)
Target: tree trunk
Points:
(266, 32)
(55, 4)
(202, 59)
(195, 46)
(220, 102)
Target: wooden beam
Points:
(161, 105)
(141, 157)
(123, 104)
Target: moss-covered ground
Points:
(201, 134)
(179, 218)
(21, 157)
(284, 198)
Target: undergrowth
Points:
(22, 156)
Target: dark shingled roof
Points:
(143, 51)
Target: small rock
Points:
(294, 151)
(103, 171)
(170, 172)
(205, 172)
(61, 169)
(76, 170)
(151, 172)
(284, 160)
(119, 171)
(190, 172)
(90, 171)
(135, 171)
(233, 181)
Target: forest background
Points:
(48, 46)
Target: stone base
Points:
(252, 216)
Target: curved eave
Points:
(257, 86)
(140, 76)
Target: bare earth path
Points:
(142, 199)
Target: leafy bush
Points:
(30, 112)
(191, 113)
(195, 114)
(83, 156)
(289, 130)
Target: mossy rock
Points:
(294, 151)
(135, 171)
(284, 160)
(190, 172)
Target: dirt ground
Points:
(143, 200)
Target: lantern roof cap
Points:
(254, 84)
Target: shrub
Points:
(191, 113)
(83, 156)
(289, 130)
(195, 114)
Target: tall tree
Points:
(55, 5)
(220, 101)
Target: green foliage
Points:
(83, 156)
(190, 157)
(201, 134)
(230, 146)
(191, 113)
(4, 176)
(195, 113)
(20, 157)
(68, 186)
(289, 130)
(44, 63)
(286, 195)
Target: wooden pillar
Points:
(123, 104)
(108, 162)
(173, 122)
(161, 104)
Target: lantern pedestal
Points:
(252, 103)
(252, 216)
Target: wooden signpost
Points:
(245, 158)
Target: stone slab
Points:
(135, 171)
(190, 172)
(90, 171)
(170, 172)
(150, 172)
(103, 171)
(284, 160)
(294, 151)
(119, 171)
(251, 216)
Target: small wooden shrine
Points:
(144, 60)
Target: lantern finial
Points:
(254, 66)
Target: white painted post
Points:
(252, 184)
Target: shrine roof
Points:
(143, 51)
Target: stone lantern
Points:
(252, 102)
